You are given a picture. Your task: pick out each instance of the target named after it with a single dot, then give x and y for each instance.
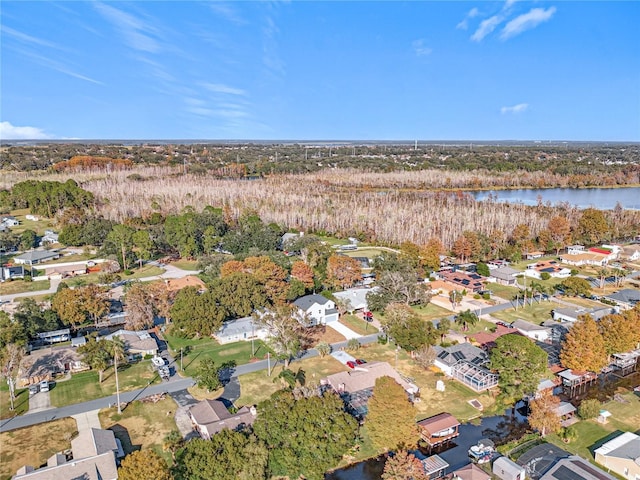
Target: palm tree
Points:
(118, 349)
(466, 318)
(455, 297)
(603, 273)
(323, 349)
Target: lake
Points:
(601, 198)
(456, 456)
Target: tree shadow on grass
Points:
(122, 434)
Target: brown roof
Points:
(175, 284)
(472, 472)
(439, 422)
(488, 339)
(364, 377)
(62, 269)
(212, 416)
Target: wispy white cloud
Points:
(464, 24)
(13, 132)
(137, 33)
(508, 4)
(226, 89)
(270, 57)
(56, 65)
(519, 108)
(228, 12)
(527, 21)
(28, 39)
(486, 27)
(420, 48)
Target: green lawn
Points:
(536, 313)
(21, 401)
(199, 349)
(369, 252)
(92, 278)
(591, 434)
(76, 257)
(20, 286)
(357, 324)
(190, 265)
(39, 227)
(502, 291)
(84, 386)
(431, 311)
(481, 326)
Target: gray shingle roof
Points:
(308, 300)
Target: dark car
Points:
(360, 361)
(503, 324)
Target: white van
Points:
(44, 386)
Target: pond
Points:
(601, 198)
(456, 455)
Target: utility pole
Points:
(115, 366)
(181, 369)
(268, 363)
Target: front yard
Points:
(357, 324)
(20, 286)
(34, 445)
(536, 313)
(84, 386)
(21, 403)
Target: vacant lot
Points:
(20, 286)
(37, 226)
(357, 324)
(84, 386)
(190, 265)
(34, 445)
(141, 424)
(536, 313)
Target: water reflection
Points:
(497, 428)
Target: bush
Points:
(545, 276)
(382, 340)
(128, 272)
(574, 272)
(477, 296)
(486, 296)
(589, 409)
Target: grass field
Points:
(190, 265)
(357, 324)
(34, 445)
(39, 227)
(20, 286)
(84, 386)
(91, 278)
(502, 291)
(21, 402)
(591, 434)
(141, 424)
(536, 313)
(431, 311)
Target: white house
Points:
(506, 469)
(49, 237)
(553, 268)
(357, 297)
(241, 329)
(570, 314)
(630, 253)
(319, 309)
(504, 275)
(10, 221)
(621, 455)
(532, 330)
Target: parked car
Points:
(351, 364)
(33, 389)
(503, 324)
(44, 386)
(360, 361)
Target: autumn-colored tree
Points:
(271, 276)
(411, 252)
(430, 254)
(343, 271)
(65, 304)
(543, 416)
(520, 234)
(593, 226)
(144, 465)
(230, 267)
(496, 242)
(391, 417)
(404, 466)
(303, 272)
(95, 301)
(584, 347)
(560, 232)
(618, 333)
(462, 248)
(139, 307)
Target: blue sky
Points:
(520, 70)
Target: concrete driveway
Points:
(39, 402)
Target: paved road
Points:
(52, 289)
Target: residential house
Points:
(357, 298)
(575, 468)
(558, 330)
(212, 416)
(57, 272)
(626, 298)
(574, 381)
(439, 429)
(506, 469)
(33, 218)
(55, 336)
(471, 472)
(435, 466)
(136, 342)
(11, 272)
(581, 257)
(553, 268)
(630, 253)
(356, 385)
(571, 314)
(241, 329)
(487, 340)
(318, 309)
(575, 249)
(609, 251)
(177, 284)
(10, 221)
(531, 330)
(539, 459)
(621, 455)
(465, 363)
(94, 458)
(35, 257)
(48, 238)
(504, 275)
(626, 362)
(533, 255)
(471, 282)
(288, 237)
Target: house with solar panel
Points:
(467, 364)
(553, 268)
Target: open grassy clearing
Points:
(20, 286)
(21, 402)
(591, 434)
(37, 226)
(84, 386)
(369, 252)
(503, 291)
(91, 278)
(536, 313)
(34, 445)
(141, 424)
(74, 257)
(431, 311)
(481, 326)
(357, 324)
(183, 264)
